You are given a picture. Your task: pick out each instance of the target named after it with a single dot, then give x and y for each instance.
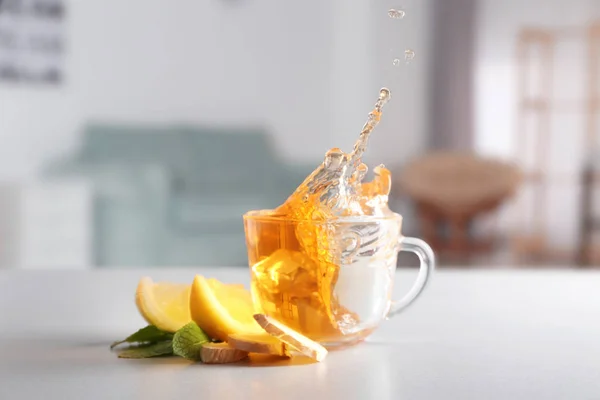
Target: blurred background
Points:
(136, 134)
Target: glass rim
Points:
(264, 216)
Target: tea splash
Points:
(334, 189)
(296, 283)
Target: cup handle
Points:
(427, 259)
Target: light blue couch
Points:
(175, 195)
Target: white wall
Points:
(496, 99)
(301, 69)
(309, 71)
(402, 133)
(205, 62)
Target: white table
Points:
(502, 334)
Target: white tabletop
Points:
(473, 335)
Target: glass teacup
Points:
(331, 281)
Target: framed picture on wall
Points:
(32, 44)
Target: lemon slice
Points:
(163, 304)
(221, 309)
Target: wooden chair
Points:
(451, 190)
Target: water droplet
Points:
(409, 55)
(396, 62)
(384, 94)
(396, 14)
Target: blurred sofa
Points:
(175, 195)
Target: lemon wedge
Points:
(222, 310)
(163, 304)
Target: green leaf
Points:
(188, 341)
(148, 335)
(149, 350)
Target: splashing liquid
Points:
(297, 283)
(332, 190)
(396, 13)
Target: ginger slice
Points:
(257, 343)
(221, 353)
(293, 340)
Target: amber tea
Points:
(323, 262)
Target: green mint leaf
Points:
(164, 348)
(188, 341)
(147, 335)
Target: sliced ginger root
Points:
(261, 343)
(221, 353)
(293, 341)
(277, 340)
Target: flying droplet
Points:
(384, 94)
(396, 62)
(396, 14)
(409, 55)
